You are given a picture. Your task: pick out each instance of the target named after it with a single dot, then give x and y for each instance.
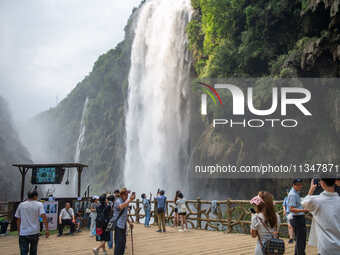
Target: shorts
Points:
(182, 213)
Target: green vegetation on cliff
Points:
(267, 39)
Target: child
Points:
(78, 221)
(182, 211)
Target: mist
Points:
(47, 47)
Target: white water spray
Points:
(157, 120)
(81, 137)
(80, 142)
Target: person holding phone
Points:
(161, 208)
(325, 209)
(265, 222)
(120, 214)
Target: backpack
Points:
(101, 220)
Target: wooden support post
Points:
(23, 172)
(137, 211)
(79, 170)
(229, 216)
(199, 213)
(155, 212)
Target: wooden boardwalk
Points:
(148, 242)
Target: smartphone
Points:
(252, 210)
(316, 181)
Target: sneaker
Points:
(95, 251)
(159, 231)
(59, 235)
(164, 231)
(291, 241)
(180, 230)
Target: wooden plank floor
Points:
(148, 242)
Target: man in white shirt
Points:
(325, 209)
(28, 214)
(66, 217)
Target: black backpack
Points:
(101, 220)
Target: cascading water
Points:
(81, 137)
(80, 142)
(157, 121)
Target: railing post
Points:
(137, 211)
(155, 212)
(199, 214)
(229, 216)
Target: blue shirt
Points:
(285, 205)
(161, 201)
(294, 200)
(146, 204)
(121, 223)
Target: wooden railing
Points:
(227, 215)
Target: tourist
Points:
(176, 209)
(337, 186)
(161, 208)
(78, 221)
(298, 212)
(116, 193)
(147, 209)
(289, 218)
(110, 202)
(120, 215)
(103, 216)
(93, 215)
(325, 209)
(66, 217)
(182, 211)
(27, 214)
(265, 223)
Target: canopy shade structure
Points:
(24, 168)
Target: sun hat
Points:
(256, 200)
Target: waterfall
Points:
(80, 142)
(81, 137)
(157, 119)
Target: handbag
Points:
(113, 222)
(99, 231)
(273, 246)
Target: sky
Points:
(48, 46)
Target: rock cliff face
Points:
(312, 51)
(11, 151)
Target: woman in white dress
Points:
(265, 214)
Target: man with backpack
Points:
(66, 217)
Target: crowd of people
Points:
(109, 221)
